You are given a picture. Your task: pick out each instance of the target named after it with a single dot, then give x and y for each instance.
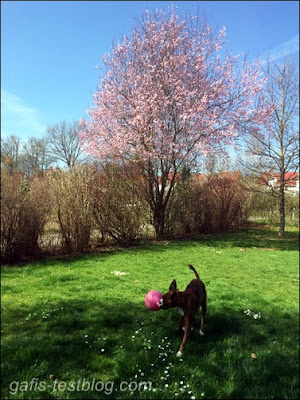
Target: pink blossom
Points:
(167, 94)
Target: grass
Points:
(69, 322)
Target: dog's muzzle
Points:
(161, 303)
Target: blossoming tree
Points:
(167, 98)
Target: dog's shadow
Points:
(218, 326)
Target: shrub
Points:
(119, 210)
(25, 208)
(72, 200)
(216, 205)
(264, 207)
(225, 204)
(180, 220)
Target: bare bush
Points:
(24, 212)
(119, 208)
(264, 208)
(180, 220)
(225, 205)
(212, 206)
(72, 200)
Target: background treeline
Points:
(58, 146)
(83, 207)
(54, 199)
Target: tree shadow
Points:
(244, 238)
(264, 239)
(80, 338)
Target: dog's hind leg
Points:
(201, 331)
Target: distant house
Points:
(272, 181)
(235, 175)
(200, 178)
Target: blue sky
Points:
(50, 49)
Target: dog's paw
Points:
(178, 354)
(201, 333)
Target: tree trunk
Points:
(159, 216)
(159, 188)
(282, 208)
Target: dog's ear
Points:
(173, 285)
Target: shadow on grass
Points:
(266, 238)
(260, 238)
(242, 238)
(72, 340)
(245, 238)
(240, 357)
(68, 340)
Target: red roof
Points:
(200, 177)
(290, 178)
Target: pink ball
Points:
(152, 300)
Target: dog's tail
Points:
(195, 272)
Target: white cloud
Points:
(19, 119)
(291, 46)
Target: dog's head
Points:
(169, 299)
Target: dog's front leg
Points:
(187, 332)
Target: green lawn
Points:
(71, 323)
